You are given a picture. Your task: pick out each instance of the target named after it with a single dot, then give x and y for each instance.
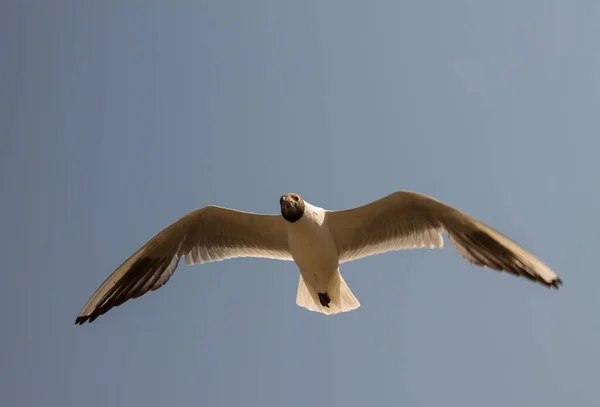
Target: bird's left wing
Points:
(209, 234)
(404, 220)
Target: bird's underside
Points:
(398, 221)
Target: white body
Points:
(313, 248)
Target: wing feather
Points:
(405, 220)
(209, 234)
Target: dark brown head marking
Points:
(292, 207)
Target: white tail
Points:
(342, 299)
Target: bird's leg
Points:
(324, 299)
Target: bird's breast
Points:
(312, 248)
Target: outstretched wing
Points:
(406, 220)
(209, 234)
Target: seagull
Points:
(318, 241)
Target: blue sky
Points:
(118, 117)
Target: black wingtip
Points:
(556, 283)
(80, 320)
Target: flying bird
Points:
(318, 241)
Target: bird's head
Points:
(292, 207)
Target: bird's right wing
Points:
(404, 220)
(209, 234)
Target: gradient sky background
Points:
(118, 117)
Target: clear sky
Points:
(118, 117)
